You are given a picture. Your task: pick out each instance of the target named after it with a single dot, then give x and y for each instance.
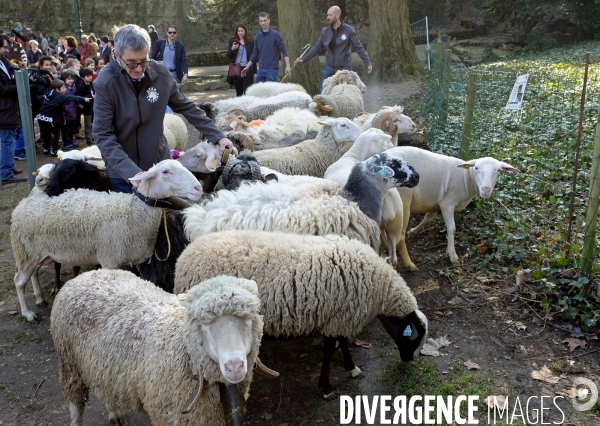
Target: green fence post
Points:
(591, 217)
(22, 79)
(446, 84)
(468, 123)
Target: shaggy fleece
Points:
(77, 223)
(134, 345)
(330, 284)
(175, 132)
(345, 99)
(311, 157)
(313, 209)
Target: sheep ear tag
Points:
(183, 300)
(384, 171)
(407, 331)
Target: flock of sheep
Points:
(294, 226)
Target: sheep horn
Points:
(233, 403)
(264, 371)
(239, 113)
(196, 393)
(394, 132)
(380, 117)
(255, 168)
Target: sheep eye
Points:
(166, 172)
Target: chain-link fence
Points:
(465, 116)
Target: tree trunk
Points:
(298, 28)
(391, 47)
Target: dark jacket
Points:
(341, 57)
(232, 54)
(181, 64)
(87, 91)
(33, 58)
(267, 48)
(10, 117)
(74, 52)
(52, 110)
(106, 55)
(71, 108)
(153, 38)
(128, 127)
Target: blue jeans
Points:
(266, 74)
(20, 145)
(8, 137)
(329, 71)
(121, 185)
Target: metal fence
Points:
(420, 33)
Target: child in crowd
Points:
(99, 64)
(51, 116)
(86, 90)
(70, 110)
(90, 64)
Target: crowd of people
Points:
(99, 79)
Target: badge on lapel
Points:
(152, 94)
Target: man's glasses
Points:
(134, 65)
(172, 32)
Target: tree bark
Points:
(391, 47)
(298, 27)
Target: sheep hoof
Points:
(30, 315)
(329, 396)
(411, 267)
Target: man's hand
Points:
(224, 143)
(288, 69)
(184, 79)
(298, 61)
(370, 68)
(244, 71)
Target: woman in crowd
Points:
(239, 50)
(70, 46)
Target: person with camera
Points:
(239, 50)
(10, 119)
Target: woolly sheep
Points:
(74, 174)
(202, 158)
(94, 151)
(76, 155)
(271, 88)
(343, 77)
(312, 157)
(86, 227)
(385, 119)
(111, 329)
(319, 209)
(175, 132)
(445, 187)
(277, 126)
(330, 285)
(343, 101)
(254, 108)
(42, 177)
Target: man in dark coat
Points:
(132, 95)
(10, 118)
(105, 50)
(172, 53)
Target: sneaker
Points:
(17, 171)
(71, 146)
(53, 153)
(14, 179)
(20, 155)
(46, 151)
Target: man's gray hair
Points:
(130, 37)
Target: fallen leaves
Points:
(495, 400)
(520, 326)
(482, 248)
(574, 343)
(573, 393)
(432, 346)
(363, 344)
(2, 302)
(12, 312)
(455, 300)
(545, 375)
(471, 365)
(523, 277)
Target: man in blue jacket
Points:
(172, 53)
(268, 44)
(337, 39)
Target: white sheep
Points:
(254, 108)
(447, 184)
(312, 157)
(175, 132)
(85, 227)
(330, 285)
(141, 349)
(202, 158)
(275, 127)
(94, 151)
(76, 155)
(385, 119)
(321, 208)
(344, 100)
(42, 177)
(268, 89)
(343, 77)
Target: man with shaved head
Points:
(337, 39)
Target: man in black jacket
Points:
(172, 53)
(132, 95)
(105, 50)
(10, 118)
(337, 39)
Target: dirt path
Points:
(484, 324)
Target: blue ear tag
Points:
(381, 141)
(385, 172)
(407, 331)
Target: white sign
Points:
(515, 99)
